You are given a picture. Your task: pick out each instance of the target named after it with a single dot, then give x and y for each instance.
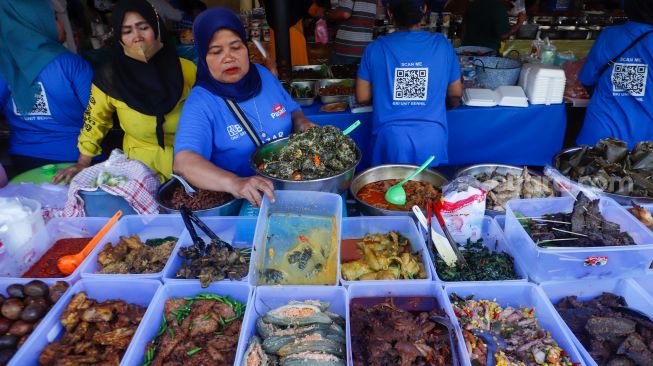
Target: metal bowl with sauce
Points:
(391, 171)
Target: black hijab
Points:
(153, 88)
(640, 11)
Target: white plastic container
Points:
(358, 227)
(146, 227)
(553, 264)
(515, 295)
(634, 295)
(267, 298)
(543, 84)
(20, 220)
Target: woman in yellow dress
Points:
(145, 84)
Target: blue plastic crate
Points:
(133, 291)
(646, 282)
(295, 203)
(267, 298)
(61, 228)
(494, 240)
(515, 295)
(636, 298)
(151, 322)
(6, 282)
(238, 231)
(553, 264)
(146, 227)
(358, 227)
(405, 290)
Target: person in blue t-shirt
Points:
(44, 89)
(409, 75)
(622, 102)
(212, 146)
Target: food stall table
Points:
(508, 135)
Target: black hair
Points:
(640, 11)
(406, 13)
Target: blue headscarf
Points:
(204, 27)
(28, 42)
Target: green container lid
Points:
(43, 174)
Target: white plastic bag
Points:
(463, 208)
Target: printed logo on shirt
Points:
(235, 131)
(278, 111)
(411, 83)
(41, 106)
(629, 79)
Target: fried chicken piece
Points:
(98, 313)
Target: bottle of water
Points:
(469, 73)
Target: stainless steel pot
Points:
(165, 191)
(335, 184)
(392, 171)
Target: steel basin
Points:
(230, 208)
(392, 171)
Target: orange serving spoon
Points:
(69, 263)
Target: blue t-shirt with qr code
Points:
(208, 127)
(622, 104)
(50, 130)
(409, 72)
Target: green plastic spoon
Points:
(396, 194)
(353, 126)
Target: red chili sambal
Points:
(46, 267)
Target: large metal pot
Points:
(391, 171)
(493, 72)
(623, 200)
(475, 170)
(335, 184)
(230, 208)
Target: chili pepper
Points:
(316, 159)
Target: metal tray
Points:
(620, 198)
(336, 98)
(304, 102)
(322, 69)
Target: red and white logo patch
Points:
(278, 111)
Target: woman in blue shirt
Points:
(409, 75)
(622, 103)
(44, 89)
(213, 146)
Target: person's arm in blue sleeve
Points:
(299, 120)
(193, 148)
(81, 77)
(455, 88)
(363, 79)
(4, 95)
(589, 73)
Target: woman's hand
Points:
(67, 174)
(250, 188)
(299, 122)
(305, 125)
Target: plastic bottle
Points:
(469, 72)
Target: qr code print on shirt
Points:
(41, 106)
(411, 83)
(630, 78)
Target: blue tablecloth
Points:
(517, 136)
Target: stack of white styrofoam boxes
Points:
(543, 84)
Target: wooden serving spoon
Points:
(69, 263)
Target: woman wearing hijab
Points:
(234, 107)
(618, 68)
(44, 88)
(145, 84)
(410, 76)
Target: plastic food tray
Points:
(358, 227)
(268, 298)
(297, 203)
(152, 320)
(140, 292)
(515, 295)
(146, 227)
(635, 296)
(6, 282)
(409, 289)
(62, 228)
(238, 231)
(649, 207)
(550, 264)
(491, 233)
(646, 282)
